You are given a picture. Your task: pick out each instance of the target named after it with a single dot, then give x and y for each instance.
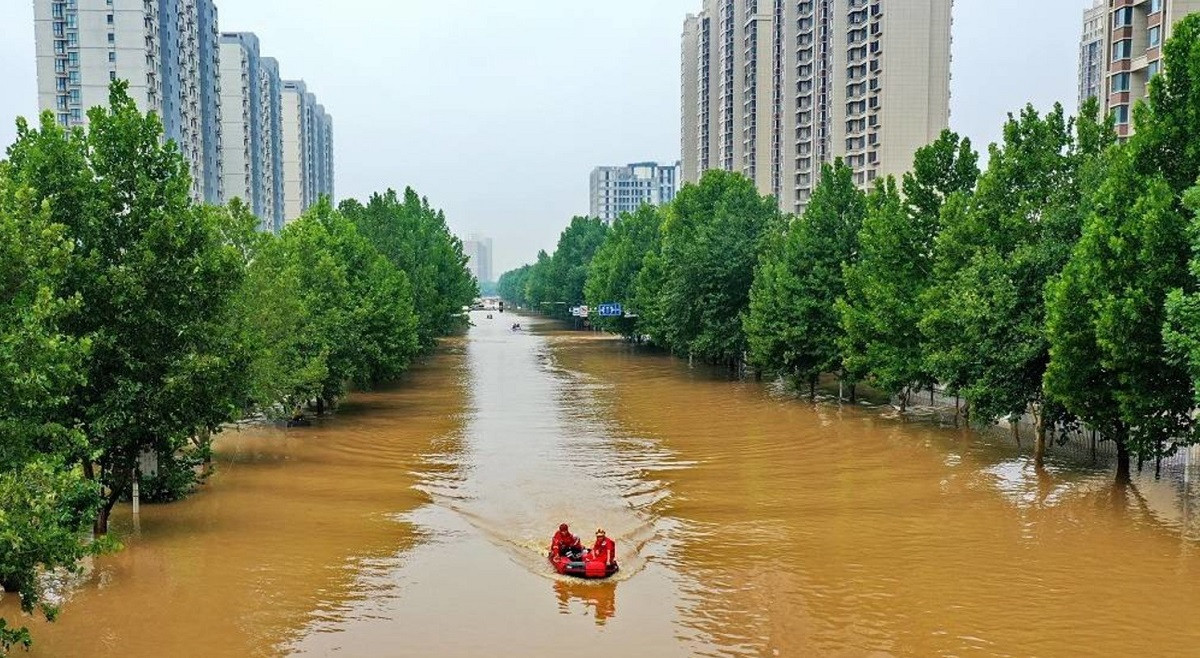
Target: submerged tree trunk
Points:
(110, 501)
(853, 393)
(320, 405)
(812, 388)
(1123, 474)
(902, 398)
(1039, 428)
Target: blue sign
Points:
(610, 310)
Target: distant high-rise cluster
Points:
(618, 190)
(774, 89)
(244, 132)
(1122, 49)
(478, 251)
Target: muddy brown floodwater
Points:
(748, 524)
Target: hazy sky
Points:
(498, 110)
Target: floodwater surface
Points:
(414, 523)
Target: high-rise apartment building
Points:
(271, 87)
(618, 190)
(773, 89)
(1093, 52)
(219, 100)
(167, 51)
(1133, 34)
(307, 157)
(478, 251)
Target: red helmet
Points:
(562, 527)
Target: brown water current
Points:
(413, 523)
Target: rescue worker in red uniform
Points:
(565, 543)
(604, 550)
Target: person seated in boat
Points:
(565, 543)
(604, 550)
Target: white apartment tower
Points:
(250, 89)
(219, 100)
(307, 149)
(773, 89)
(619, 190)
(166, 49)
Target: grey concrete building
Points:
(775, 89)
(618, 190)
(307, 149)
(478, 251)
(1093, 52)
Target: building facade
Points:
(1133, 35)
(219, 100)
(478, 251)
(307, 149)
(774, 89)
(1093, 52)
(619, 190)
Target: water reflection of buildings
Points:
(601, 598)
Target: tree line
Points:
(1061, 280)
(134, 321)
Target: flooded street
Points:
(413, 523)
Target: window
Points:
(76, 114)
(60, 84)
(1155, 6)
(60, 65)
(1155, 36)
(110, 19)
(1120, 82)
(1154, 68)
(1123, 17)
(1122, 49)
(112, 56)
(1121, 114)
(112, 75)
(112, 38)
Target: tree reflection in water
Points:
(600, 597)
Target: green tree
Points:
(1106, 314)
(415, 238)
(613, 273)
(1121, 329)
(272, 323)
(793, 324)
(154, 279)
(47, 504)
(511, 285)
(712, 235)
(881, 310)
(360, 305)
(985, 314)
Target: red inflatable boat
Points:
(581, 567)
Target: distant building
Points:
(1133, 35)
(307, 159)
(478, 251)
(1093, 52)
(774, 91)
(617, 190)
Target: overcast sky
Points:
(498, 110)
